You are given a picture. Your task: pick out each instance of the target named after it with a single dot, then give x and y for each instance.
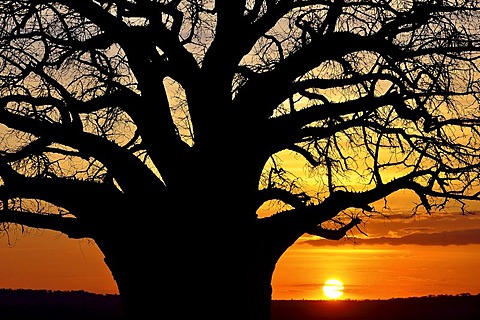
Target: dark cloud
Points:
(445, 238)
(401, 216)
(398, 228)
(417, 229)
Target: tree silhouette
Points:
(162, 128)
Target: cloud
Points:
(445, 238)
(440, 215)
(417, 229)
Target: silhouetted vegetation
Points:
(22, 304)
(76, 305)
(445, 307)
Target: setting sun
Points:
(333, 288)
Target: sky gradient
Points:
(401, 257)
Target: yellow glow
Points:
(333, 288)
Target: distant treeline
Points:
(439, 307)
(25, 304)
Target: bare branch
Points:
(334, 234)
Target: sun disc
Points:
(333, 288)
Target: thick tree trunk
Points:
(188, 279)
(200, 258)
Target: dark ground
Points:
(81, 305)
(462, 307)
(58, 305)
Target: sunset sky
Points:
(402, 256)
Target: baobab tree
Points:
(159, 129)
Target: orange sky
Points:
(50, 260)
(402, 257)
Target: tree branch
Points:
(288, 225)
(334, 234)
(113, 156)
(81, 197)
(295, 200)
(69, 226)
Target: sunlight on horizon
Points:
(333, 289)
